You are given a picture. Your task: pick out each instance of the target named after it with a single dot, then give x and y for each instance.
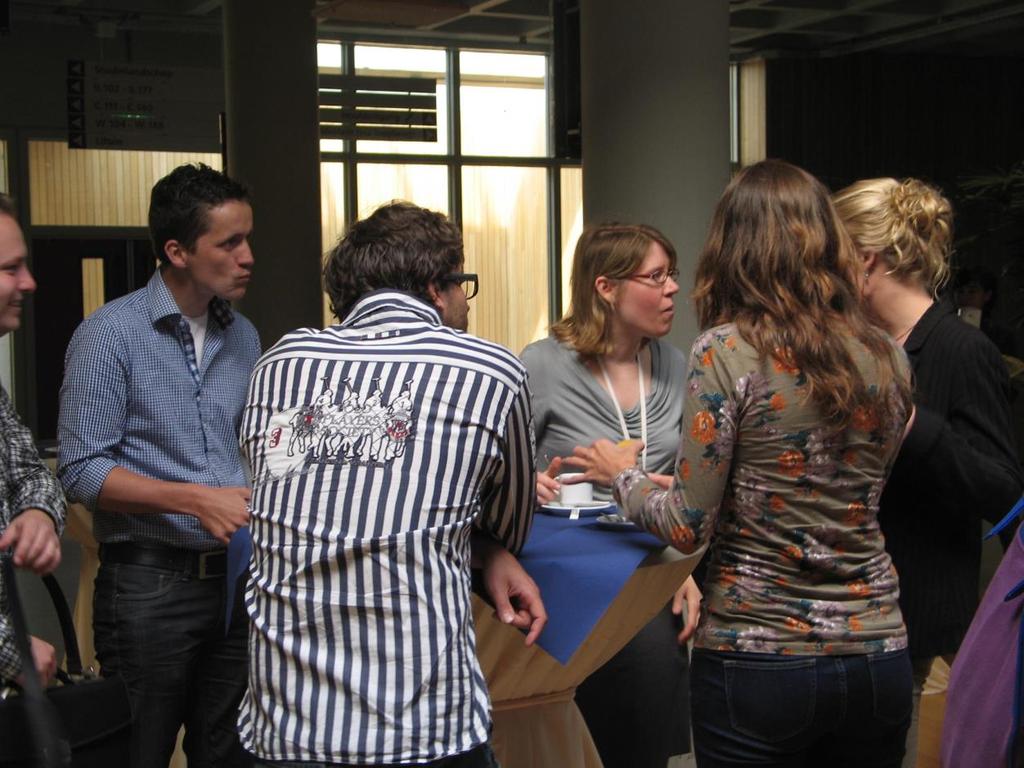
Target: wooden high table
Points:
(536, 720)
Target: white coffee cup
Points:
(575, 494)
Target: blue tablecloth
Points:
(579, 567)
(239, 555)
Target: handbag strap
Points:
(72, 656)
(47, 731)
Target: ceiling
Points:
(757, 27)
(835, 27)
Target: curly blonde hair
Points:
(908, 223)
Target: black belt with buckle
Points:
(203, 565)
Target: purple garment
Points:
(979, 704)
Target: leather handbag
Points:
(83, 723)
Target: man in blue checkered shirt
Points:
(153, 391)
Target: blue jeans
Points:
(478, 757)
(163, 632)
(770, 710)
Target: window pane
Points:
(504, 105)
(379, 183)
(332, 202)
(505, 230)
(97, 187)
(380, 60)
(572, 224)
(425, 185)
(532, 66)
(332, 215)
(328, 58)
(403, 61)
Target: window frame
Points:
(454, 160)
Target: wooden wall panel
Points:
(93, 296)
(97, 187)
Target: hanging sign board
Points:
(142, 106)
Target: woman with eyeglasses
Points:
(604, 372)
(795, 406)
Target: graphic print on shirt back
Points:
(351, 430)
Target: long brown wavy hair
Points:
(778, 263)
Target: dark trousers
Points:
(770, 710)
(163, 632)
(478, 757)
(637, 706)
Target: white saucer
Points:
(589, 509)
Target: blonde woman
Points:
(958, 463)
(604, 372)
(794, 409)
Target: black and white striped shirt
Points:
(375, 446)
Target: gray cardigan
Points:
(571, 408)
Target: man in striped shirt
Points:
(380, 448)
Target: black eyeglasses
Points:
(658, 276)
(469, 281)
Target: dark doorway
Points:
(57, 265)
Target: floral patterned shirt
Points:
(797, 561)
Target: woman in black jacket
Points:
(958, 463)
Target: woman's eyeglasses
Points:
(658, 276)
(469, 281)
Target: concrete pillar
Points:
(655, 126)
(273, 148)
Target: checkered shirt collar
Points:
(162, 304)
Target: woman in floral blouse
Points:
(796, 406)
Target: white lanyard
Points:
(618, 408)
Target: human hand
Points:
(689, 594)
(35, 542)
(547, 487)
(604, 460)
(662, 481)
(222, 511)
(515, 595)
(44, 658)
